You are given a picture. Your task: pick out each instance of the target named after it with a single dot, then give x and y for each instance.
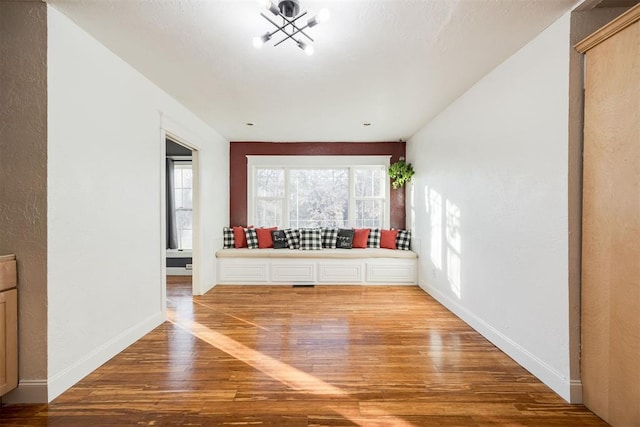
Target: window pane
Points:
(269, 213)
(184, 219)
(187, 199)
(186, 239)
(369, 213)
(177, 177)
(178, 199)
(184, 226)
(187, 177)
(318, 198)
(270, 183)
(368, 182)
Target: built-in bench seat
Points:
(326, 266)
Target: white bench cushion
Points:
(324, 253)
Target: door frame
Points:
(171, 130)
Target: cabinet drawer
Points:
(8, 277)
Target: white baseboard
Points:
(63, 380)
(28, 391)
(208, 288)
(569, 390)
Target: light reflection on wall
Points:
(412, 204)
(434, 208)
(447, 240)
(453, 248)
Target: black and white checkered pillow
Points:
(373, 241)
(293, 238)
(252, 238)
(403, 240)
(227, 235)
(329, 237)
(310, 239)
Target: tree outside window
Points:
(310, 196)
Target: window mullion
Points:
(352, 198)
(285, 202)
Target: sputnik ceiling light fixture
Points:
(289, 11)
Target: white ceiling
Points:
(394, 63)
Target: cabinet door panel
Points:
(8, 341)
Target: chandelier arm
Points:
(278, 27)
(286, 38)
(283, 26)
(292, 22)
(300, 30)
(290, 36)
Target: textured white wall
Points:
(105, 160)
(489, 206)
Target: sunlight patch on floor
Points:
(286, 374)
(208, 307)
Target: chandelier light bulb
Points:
(308, 49)
(257, 42)
(268, 4)
(260, 40)
(323, 16)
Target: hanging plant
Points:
(400, 173)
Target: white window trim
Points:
(288, 162)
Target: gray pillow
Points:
(279, 239)
(345, 238)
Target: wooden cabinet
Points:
(610, 319)
(8, 324)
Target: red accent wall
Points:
(238, 168)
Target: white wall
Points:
(105, 180)
(496, 250)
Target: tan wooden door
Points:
(610, 320)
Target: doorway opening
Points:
(179, 223)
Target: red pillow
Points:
(388, 239)
(360, 237)
(240, 240)
(264, 237)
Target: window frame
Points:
(318, 162)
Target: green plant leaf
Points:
(400, 173)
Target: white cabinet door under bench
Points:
(326, 267)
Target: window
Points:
(183, 188)
(318, 191)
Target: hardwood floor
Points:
(323, 356)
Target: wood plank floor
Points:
(323, 356)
